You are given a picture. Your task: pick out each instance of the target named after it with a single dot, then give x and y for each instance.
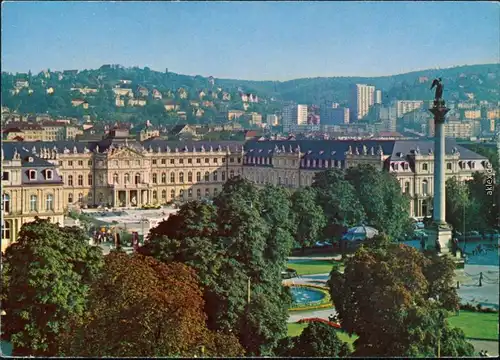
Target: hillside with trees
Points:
(52, 92)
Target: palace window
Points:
(172, 177)
(137, 178)
(49, 203)
(163, 161)
(154, 161)
(80, 180)
(207, 192)
(424, 167)
(190, 161)
(6, 203)
(6, 230)
(89, 162)
(115, 178)
(198, 176)
(70, 198)
(163, 178)
(198, 161)
(223, 177)
(231, 174)
(172, 194)
(448, 166)
(80, 162)
(155, 178)
(127, 178)
(181, 177)
(190, 176)
(89, 179)
(231, 160)
(32, 175)
(407, 187)
(70, 163)
(181, 161)
(164, 194)
(155, 195)
(223, 160)
(33, 203)
(396, 167)
(5, 176)
(48, 174)
(172, 161)
(190, 193)
(198, 193)
(207, 160)
(80, 198)
(70, 180)
(425, 188)
(239, 160)
(207, 176)
(215, 160)
(215, 175)
(472, 164)
(181, 193)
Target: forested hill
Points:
(481, 80)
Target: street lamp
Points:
(463, 224)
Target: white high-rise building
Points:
(406, 106)
(294, 115)
(378, 96)
(361, 98)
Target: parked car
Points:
(469, 236)
(491, 234)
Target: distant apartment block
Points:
(387, 116)
(406, 106)
(493, 114)
(378, 97)
(455, 128)
(330, 114)
(294, 115)
(472, 114)
(361, 98)
(272, 119)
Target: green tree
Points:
(379, 193)
(241, 239)
(338, 199)
(457, 201)
(481, 211)
(308, 216)
(317, 340)
(47, 274)
(385, 297)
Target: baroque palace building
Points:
(45, 179)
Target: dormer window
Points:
(406, 166)
(472, 164)
(48, 174)
(448, 166)
(396, 167)
(32, 174)
(424, 167)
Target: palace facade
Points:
(45, 179)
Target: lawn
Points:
(310, 267)
(295, 329)
(476, 325)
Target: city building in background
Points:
(294, 115)
(361, 99)
(378, 97)
(406, 106)
(331, 114)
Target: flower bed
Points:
(477, 308)
(329, 323)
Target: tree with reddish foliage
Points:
(144, 308)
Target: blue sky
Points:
(250, 40)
